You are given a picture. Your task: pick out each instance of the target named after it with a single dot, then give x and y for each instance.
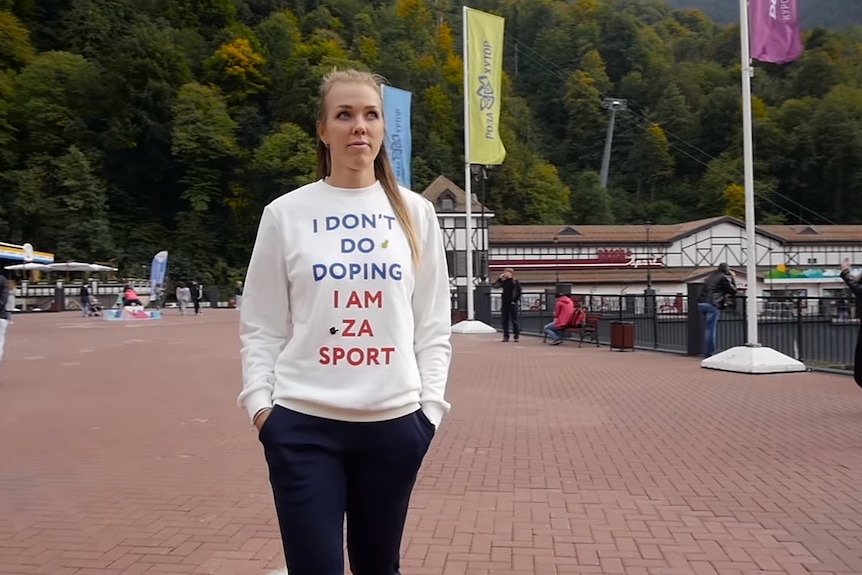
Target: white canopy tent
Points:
(30, 266)
(62, 267)
(79, 267)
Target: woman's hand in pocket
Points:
(261, 418)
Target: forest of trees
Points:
(131, 126)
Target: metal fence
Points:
(821, 332)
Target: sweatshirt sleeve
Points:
(432, 318)
(264, 315)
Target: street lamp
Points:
(557, 260)
(649, 259)
(480, 173)
(649, 293)
(614, 105)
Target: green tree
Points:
(206, 15)
(585, 124)
(56, 103)
(203, 142)
(284, 161)
(65, 201)
(591, 203)
(15, 48)
(651, 159)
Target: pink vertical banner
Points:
(774, 31)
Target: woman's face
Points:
(353, 127)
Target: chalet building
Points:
(791, 259)
(450, 201)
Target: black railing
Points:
(821, 332)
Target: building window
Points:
(456, 261)
(447, 203)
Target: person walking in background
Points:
(715, 296)
(344, 377)
(856, 288)
(4, 313)
(196, 297)
(85, 300)
(237, 295)
(510, 304)
(184, 296)
(10, 299)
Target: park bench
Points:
(590, 328)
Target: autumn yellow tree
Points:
(236, 68)
(734, 201)
(452, 65)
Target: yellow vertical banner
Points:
(484, 86)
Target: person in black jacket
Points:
(715, 296)
(197, 294)
(856, 287)
(4, 313)
(511, 302)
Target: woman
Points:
(855, 287)
(345, 328)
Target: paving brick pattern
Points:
(122, 452)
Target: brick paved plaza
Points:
(122, 451)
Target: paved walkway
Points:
(122, 452)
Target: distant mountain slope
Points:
(828, 13)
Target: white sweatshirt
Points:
(335, 320)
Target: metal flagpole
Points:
(468, 183)
(748, 157)
(750, 357)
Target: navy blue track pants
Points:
(321, 469)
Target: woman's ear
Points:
(321, 134)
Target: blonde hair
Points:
(382, 166)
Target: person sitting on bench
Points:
(564, 311)
(130, 298)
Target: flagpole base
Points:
(753, 359)
(472, 327)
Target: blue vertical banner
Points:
(158, 269)
(399, 137)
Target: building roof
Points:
(610, 234)
(442, 186)
(806, 234)
(666, 233)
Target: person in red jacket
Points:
(564, 311)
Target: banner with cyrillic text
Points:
(484, 92)
(399, 137)
(158, 270)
